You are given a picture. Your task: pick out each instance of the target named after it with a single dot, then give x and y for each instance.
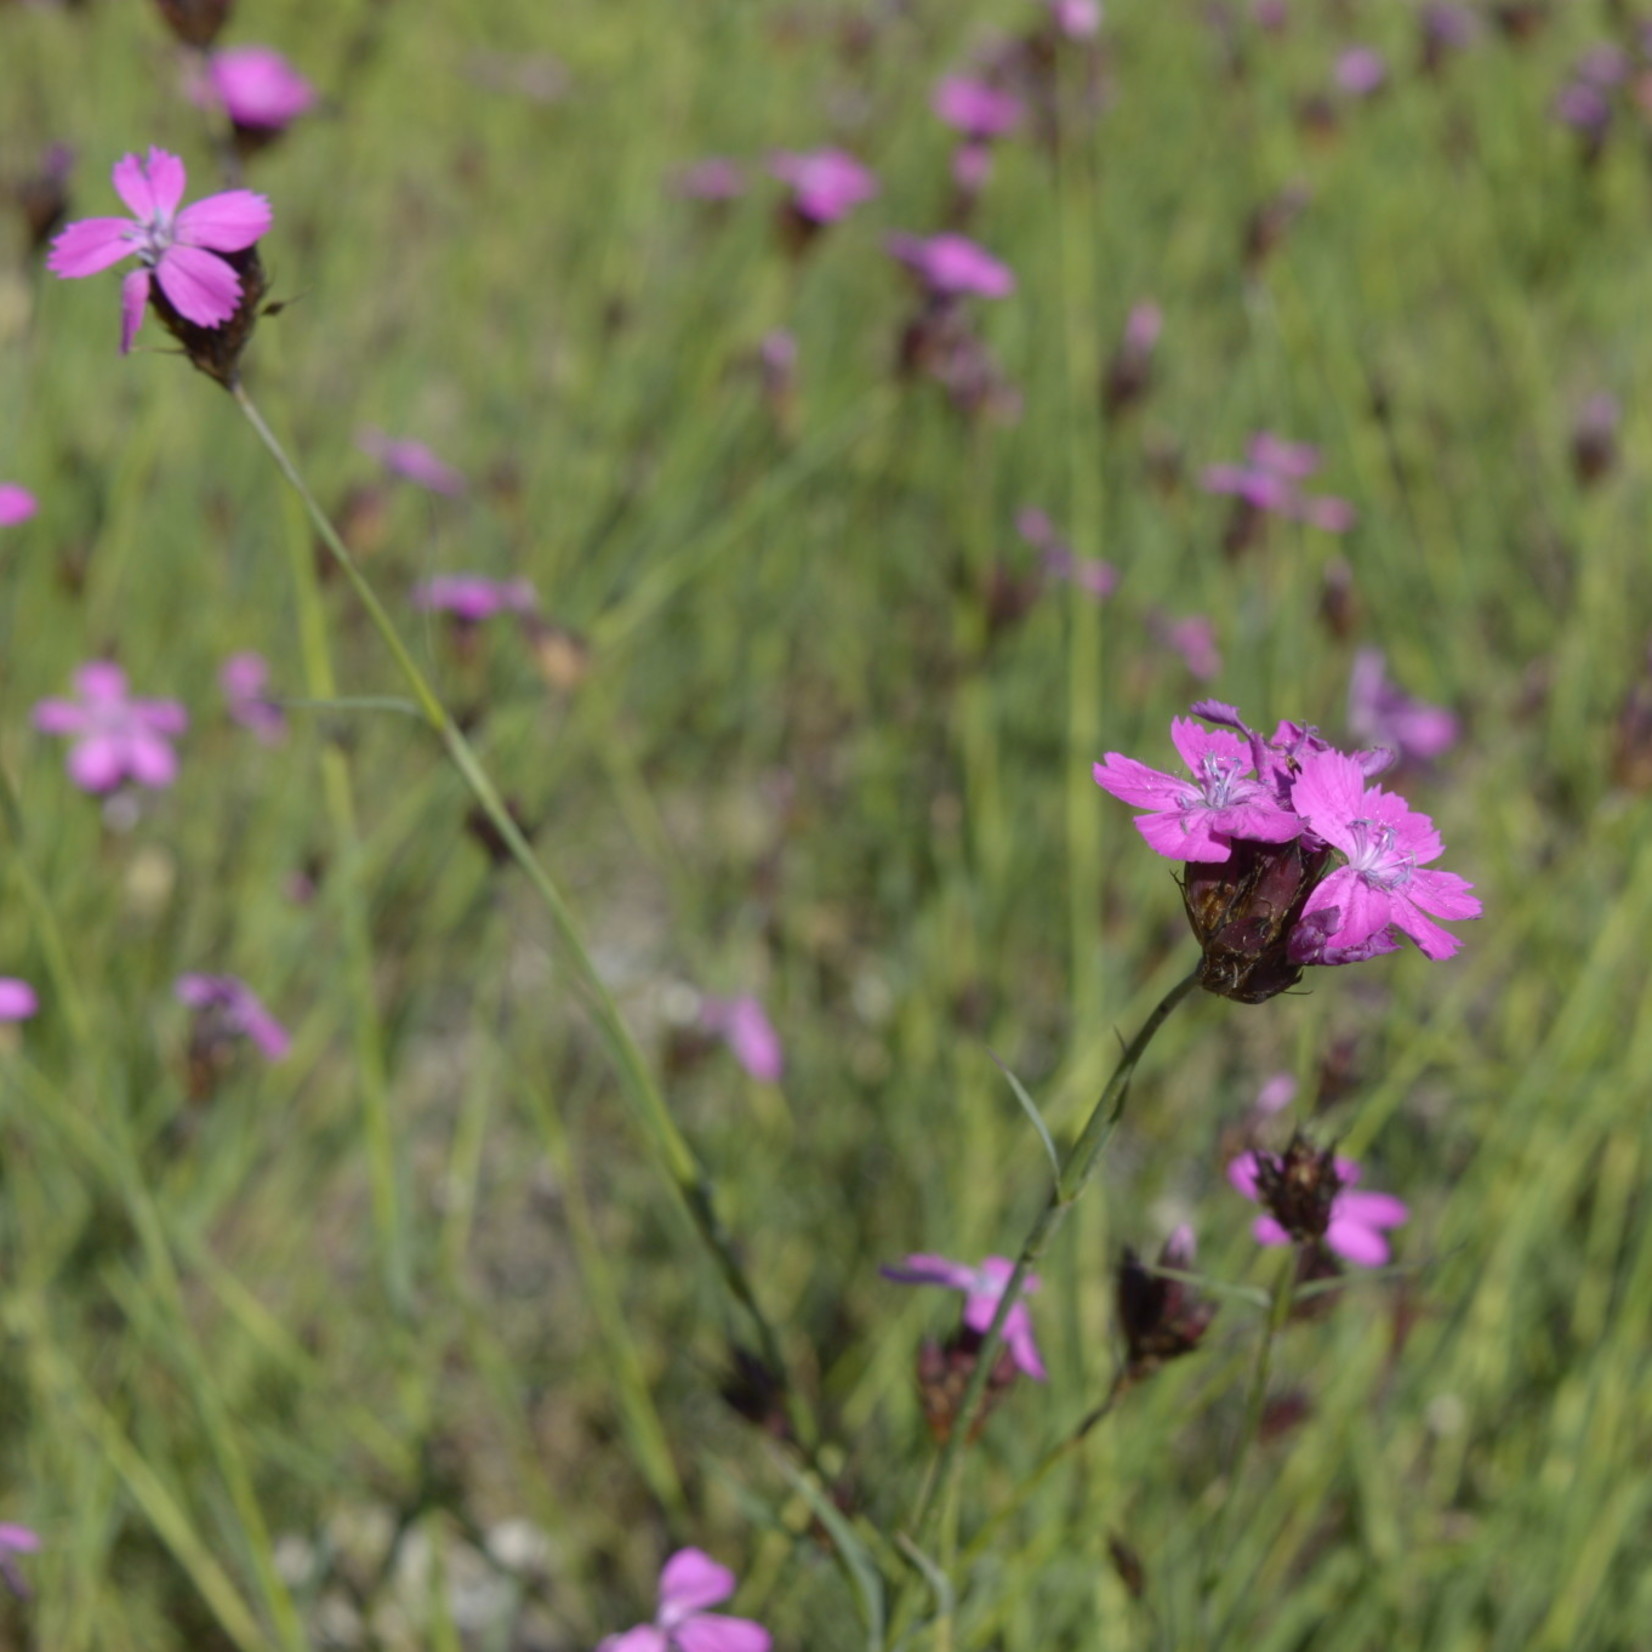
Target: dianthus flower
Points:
(950, 265)
(257, 88)
(1353, 1221)
(982, 1288)
(976, 108)
(243, 679)
(16, 504)
(18, 1000)
(412, 461)
(472, 598)
(177, 250)
(238, 1008)
(1383, 713)
(115, 737)
(744, 1026)
(826, 183)
(1361, 71)
(690, 1582)
(1089, 573)
(1271, 480)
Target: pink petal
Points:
(1443, 893)
(91, 245)
(711, 1632)
(59, 717)
(198, 990)
(925, 1269)
(134, 300)
(1141, 787)
(1183, 837)
(1329, 794)
(97, 764)
(227, 223)
(1018, 1335)
(1194, 742)
(162, 716)
(151, 760)
(1329, 514)
(1266, 1231)
(1371, 1210)
(101, 680)
(1362, 910)
(1432, 941)
(17, 1003)
(152, 188)
(201, 286)
(1241, 1174)
(644, 1638)
(1361, 1245)
(16, 504)
(691, 1579)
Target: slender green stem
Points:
(677, 1158)
(1076, 1170)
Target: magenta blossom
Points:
(1277, 1093)
(1361, 71)
(16, 1540)
(1194, 639)
(982, 1287)
(826, 183)
(472, 598)
(690, 1582)
(950, 265)
(18, 1000)
(744, 1026)
(1357, 1219)
(1384, 714)
(239, 1006)
(1077, 19)
(177, 249)
(412, 461)
(243, 679)
(1197, 819)
(1385, 883)
(256, 87)
(16, 504)
(115, 737)
(975, 108)
(1271, 481)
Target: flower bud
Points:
(1244, 911)
(1161, 1318)
(1299, 1186)
(944, 1371)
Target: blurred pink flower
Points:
(17, 999)
(16, 504)
(690, 1582)
(826, 184)
(716, 178)
(950, 265)
(412, 461)
(16, 1540)
(1277, 1093)
(1361, 71)
(743, 1025)
(1271, 479)
(1194, 639)
(1077, 19)
(1357, 1219)
(240, 1007)
(115, 737)
(976, 108)
(256, 87)
(972, 166)
(243, 679)
(1383, 714)
(1088, 573)
(177, 249)
(473, 598)
(982, 1288)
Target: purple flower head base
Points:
(412, 461)
(241, 1009)
(1356, 1220)
(744, 1026)
(18, 1000)
(176, 250)
(116, 738)
(16, 504)
(244, 679)
(690, 1582)
(982, 1288)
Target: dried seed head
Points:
(1162, 1318)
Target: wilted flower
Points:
(690, 1582)
(826, 184)
(1309, 1194)
(243, 678)
(412, 461)
(1271, 482)
(745, 1027)
(115, 737)
(16, 504)
(471, 598)
(1383, 714)
(257, 88)
(177, 251)
(982, 1288)
(228, 1005)
(18, 1000)
(1161, 1318)
(951, 265)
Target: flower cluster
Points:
(1257, 821)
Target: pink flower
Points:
(975, 108)
(116, 738)
(826, 183)
(1277, 1093)
(16, 504)
(16, 1540)
(716, 178)
(1077, 19)
(690, 1582)
(243, 678)
(1194, 638)
(412, 461)
(1385, 715)
(18, 1000)
(1361, 71)
(1357, 1219)
(744, 1026)
(1270, 482)
(175, 248)
(1088, 573)
(949, 265)
(257, 87)
(240, 1008)
(1196, 819)
(472, 598)
(1388, 846)
(982, 1288)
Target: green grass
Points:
(800, 767)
